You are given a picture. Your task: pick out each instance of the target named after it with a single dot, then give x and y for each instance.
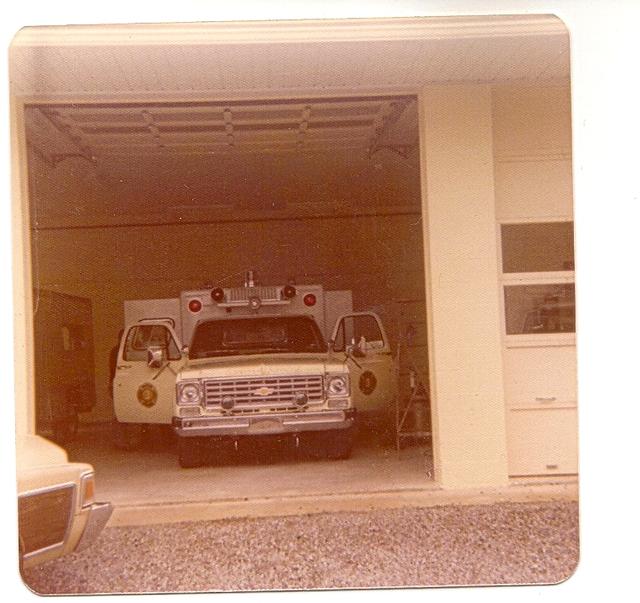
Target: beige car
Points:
(57, 513)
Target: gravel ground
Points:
(510, 543)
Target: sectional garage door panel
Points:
(542, 441)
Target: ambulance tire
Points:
(190, 453)
(339, 444)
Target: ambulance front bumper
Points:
(267, 423)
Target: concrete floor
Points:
(148, 482)
(147, 486)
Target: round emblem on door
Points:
(147, 395)
(367, 382)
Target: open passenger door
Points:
(361, 337)
(145, 380)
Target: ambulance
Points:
(240, 363)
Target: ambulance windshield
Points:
(256, 335)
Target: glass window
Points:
(540, 308)
(539, 247)
(256, 335)
(141, 337)
(353, 329)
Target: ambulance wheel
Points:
(189, 452)
(339, 444)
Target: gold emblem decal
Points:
(263, 391)
(367, 383)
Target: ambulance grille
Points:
(264, 392)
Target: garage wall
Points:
(379, 258)
(156, 188)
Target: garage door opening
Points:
(140, 201)
(152, 159)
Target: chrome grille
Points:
(242, 294)
(261, 392)
(43, 517)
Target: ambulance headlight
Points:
(337, 385)
(189, 392)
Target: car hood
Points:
(35, 451)
(262, 365)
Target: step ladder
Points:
(412, 409)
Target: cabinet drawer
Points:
(540, 376)
(542, 441)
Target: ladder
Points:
(410, 410)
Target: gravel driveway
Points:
(492, 544)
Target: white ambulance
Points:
(252, 361)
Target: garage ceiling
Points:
(190, 65)
(133, 100)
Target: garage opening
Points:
(167, 158)
(145, 200)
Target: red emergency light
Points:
(309, 299)
(289, 291)
(195, 305)
(217, 294)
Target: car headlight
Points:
(338, 385)
(189, 392)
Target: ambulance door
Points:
(361, 337)
(145, 379)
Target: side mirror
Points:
(355, 350)
(156, 356)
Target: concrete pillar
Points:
(463, 303)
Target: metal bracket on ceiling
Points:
(384, 122)
(53, 159)
(228, 126)
(304, 125)
(152, 127)
(404, 150)
(72, 132)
